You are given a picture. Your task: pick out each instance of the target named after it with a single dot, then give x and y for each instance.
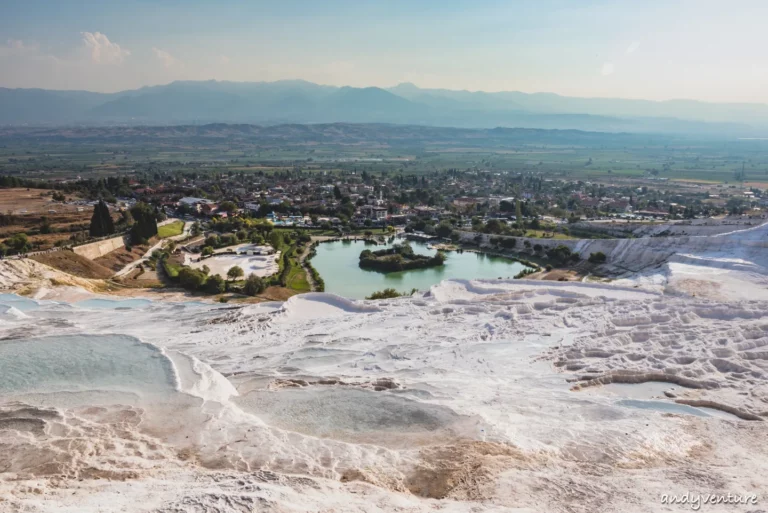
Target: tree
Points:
(276, 240)
(213, 241)
(145, 222)
(597, 258)
(196, 229)
(215, 284)
(444, 229)
(336, 192)
(207, 251)
(19, 243)
(191, 279)
(227, 206)
(493, 226)
(235, 273)
(561, 254)
(508, 242)
(101, 221)
(45, 226)
(254, 285)
(518, 215)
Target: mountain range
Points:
(298, 101)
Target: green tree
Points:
(215, 284)
(235, 273)
(101, 221)
(45, 226)
(493, 226)
(19, 243)
(518, 215)
(191, 279)
(254, 285)
(444, 229)
(276, 240)
(227, 206)
(597, 258)
(145, 222)
(213, 241)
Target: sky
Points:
(709, 50)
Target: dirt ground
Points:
(33, 201)
(121, 257)
(74, 264)
(25, 209)
(556, 275)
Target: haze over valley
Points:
(297, 101)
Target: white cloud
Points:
(16, 44)
(165, 57)
(607, 69)
(103, 51)
(16, 47)
(632, 48)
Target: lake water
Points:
(337, 263)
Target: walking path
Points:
(185, 232)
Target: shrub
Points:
(561, 254)
(388, 293)
(525, 272)
(597, 258)
(254, 285)
(509, 242)
(19, 243)
(191, 279)
(215, 284)
(212, 241)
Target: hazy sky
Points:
(701, 49)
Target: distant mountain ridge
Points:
(298, 101)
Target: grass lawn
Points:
(297, 279)
(540, 234)
(170, 229)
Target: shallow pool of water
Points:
(669, 407)
(111, 304)
(78, 363)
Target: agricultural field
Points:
(565, 154)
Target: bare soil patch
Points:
(121, 257)
(74, 264)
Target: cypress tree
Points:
(101, 221)
(145, 225)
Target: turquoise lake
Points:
(337, 263)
